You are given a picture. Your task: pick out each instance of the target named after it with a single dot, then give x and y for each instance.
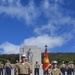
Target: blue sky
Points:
(37, 23)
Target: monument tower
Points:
(33, 54)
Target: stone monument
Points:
(33, 54)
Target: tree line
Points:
(11, 57)
(61, 57)
(52, 56)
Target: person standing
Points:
(63, 68)
(28, 62)
(8, 68)
(54, 70)
(15, 65)
(36, 68)
(1, 68)
(23, 68)
(70, 69)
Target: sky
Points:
(37, 23)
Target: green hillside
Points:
(61, 57)
(52, 56)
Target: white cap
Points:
(23, 55)
(54, 62)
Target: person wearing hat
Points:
(63, 68)
(23, 68)
(1, 68)
(15, 65)
(8, 68)
(54, 70)
(70, 69)
(36, 68)
(28, 62)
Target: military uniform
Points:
(8, 68)
(1, 69)
(70, 68)
(37, 66)
(56, 72)
(63, 68)
(15, 67)
(23, 68)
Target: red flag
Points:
(46, 63)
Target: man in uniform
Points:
(8, 68)
(23, 68)
(54, 70)
(36, 68)
(70, 70)
(15, 65)
(63, 68)
(28, 62)
(1, 68)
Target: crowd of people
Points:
(7, 68)
(25, 68)
(62, 69)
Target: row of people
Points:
(20, 68)
(63, 69)
(7, 68)
(67, 68)
(25, 68)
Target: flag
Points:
(46, 63)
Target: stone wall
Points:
(36, 51)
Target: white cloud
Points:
(60, 1)
(9, 48)
(15, 9)
(46, 4)
(10, 1)
(58, 24)
(39, 41)
(44, 29)
(43, 40)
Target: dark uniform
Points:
(45, 72)
(70, 70)
(8, 68)
(1, 68)
(37, 66)
(23, 68)
(63, 68)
